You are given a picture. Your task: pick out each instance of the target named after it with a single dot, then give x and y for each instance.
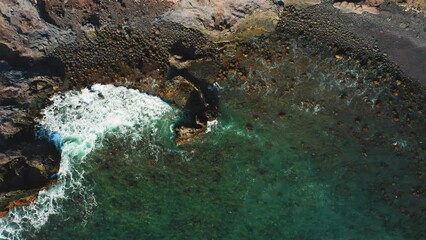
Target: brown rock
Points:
(9, 92)
(178, 90)
(20, 21)
(3, 214)
(12, 121)
(417, 4)
(24, 170)
(7, 199)
(22, 202)
(186, 134)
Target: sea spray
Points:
(77, 122)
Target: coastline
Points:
(52, 47)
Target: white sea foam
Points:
(211, 125)
(76, 123)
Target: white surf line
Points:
(76, 122)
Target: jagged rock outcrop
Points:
(24, 169)
(25, 163)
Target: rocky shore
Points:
(172, 49)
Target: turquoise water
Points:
(289, 158)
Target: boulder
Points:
(24, 169)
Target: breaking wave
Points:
(77, 122)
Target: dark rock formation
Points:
(24, 169)
(25, 163)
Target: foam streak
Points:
(76, 123)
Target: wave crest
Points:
(77, 122)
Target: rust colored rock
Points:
(22, 202)
(3, 214)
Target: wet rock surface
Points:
(51, 46)
(24, 169)
(25, 163)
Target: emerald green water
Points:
(289, 159)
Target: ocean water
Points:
(301, 150)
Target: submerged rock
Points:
(186, 134)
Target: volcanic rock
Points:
(24, 169)
(23, 31)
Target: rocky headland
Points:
(176, 50)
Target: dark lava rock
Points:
(24, 169)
